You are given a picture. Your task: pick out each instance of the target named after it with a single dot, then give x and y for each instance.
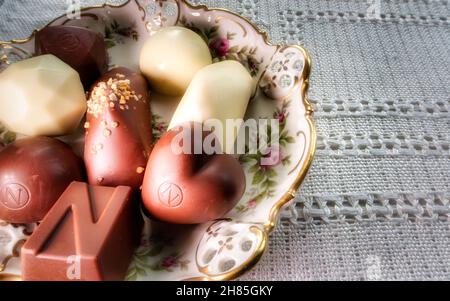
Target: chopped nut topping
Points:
(99, 180)
(140, 170)
(107, 94)
(113, 97)
(107, 132)
(96, 148)
(86, 125)
(115, 124)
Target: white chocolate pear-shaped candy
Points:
(171, 57)
(218, 92)
(41, 96)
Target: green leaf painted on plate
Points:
(258, 177)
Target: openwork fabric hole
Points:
(226, 265)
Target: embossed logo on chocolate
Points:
(68, 41)
(170, 194)
(14, 196)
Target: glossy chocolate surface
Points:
(190, 188)
(33, 174)
(90, 234)
(81, 48)
(118, 129)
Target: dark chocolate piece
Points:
(83, 49)
(190, 188)
(118, 129)
(33, 174)
(90, 234)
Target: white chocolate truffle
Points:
(220, 91)
(171, 57)
(41, 96)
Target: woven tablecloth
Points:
(376, 202)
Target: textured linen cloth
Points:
(376, 202)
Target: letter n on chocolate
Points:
(89, 234)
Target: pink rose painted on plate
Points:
(168, 262)
(252, 203)
(220, 46)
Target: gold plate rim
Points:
(269, 225)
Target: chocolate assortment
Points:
(89, 215)
(33, 174)
(190, 188)
(118, 129)
(41, 96)
(90, 234)
(83, 49)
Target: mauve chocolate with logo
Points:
(33, 174)
(83, 49)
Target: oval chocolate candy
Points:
(34, 172)
(118, 129)
(185, 187)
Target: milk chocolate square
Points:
(90, 234)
